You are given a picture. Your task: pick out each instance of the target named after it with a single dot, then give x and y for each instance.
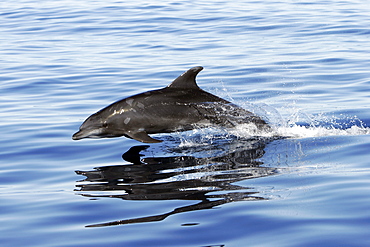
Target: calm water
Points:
(302, 66)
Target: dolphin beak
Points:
(78, 135)
(87, 133)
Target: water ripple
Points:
(304, 66)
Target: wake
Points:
(318, 126)
(298, 124)
(299, 131)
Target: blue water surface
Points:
(303, 66)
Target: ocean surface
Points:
(304, 66)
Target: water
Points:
(303, 66)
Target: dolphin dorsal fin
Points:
(187, 79)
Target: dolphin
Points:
(180, 106)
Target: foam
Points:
(203, 137)
(299, 131)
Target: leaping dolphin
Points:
(181, 106)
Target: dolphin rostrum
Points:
(181, 106)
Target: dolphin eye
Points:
(105, 125)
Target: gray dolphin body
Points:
(181, 106)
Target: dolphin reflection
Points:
(178, 177)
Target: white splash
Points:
(317, 127)
(297, 131)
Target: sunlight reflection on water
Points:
(303, 66)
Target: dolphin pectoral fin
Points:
(142, 136)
